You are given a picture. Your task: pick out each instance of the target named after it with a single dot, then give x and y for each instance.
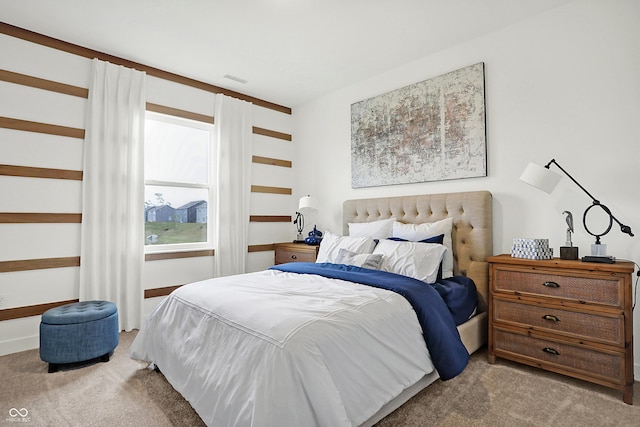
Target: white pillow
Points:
(371, 261)
(417, 232)
(380, 229)
(414, 259)
(331, 245)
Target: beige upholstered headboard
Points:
(472, 226)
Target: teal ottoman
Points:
(78, 332)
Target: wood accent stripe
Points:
(261, 248)
(25, 125)
(272, 190)
(39, 309)
(157, 108)
(31, 172)
(31, 310)
(272, 162)
(36, 82)
(270, 218)
(177, 255)
(40, 218)
(271, 133)
(29, 126)
(39, 264)
(51, 42)
(44, 263)
(160, 292)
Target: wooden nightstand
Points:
(295, 252)
(570, 317)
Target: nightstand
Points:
(570, 317)
(295, 252)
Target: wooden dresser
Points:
(295, 252)
(570, 317)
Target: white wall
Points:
(564, 84)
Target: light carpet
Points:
(123, 392)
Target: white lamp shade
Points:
(540, 177)
(307, 206)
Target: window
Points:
(179, 188)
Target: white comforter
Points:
(284, 349)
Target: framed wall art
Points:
(429, 131)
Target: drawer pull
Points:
(551, 285)
(294, 257)
(550, 317)
(551, 351)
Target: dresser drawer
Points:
(600, 327)
(577, 288)
(284, 255)
(567, 316)
(586, 361)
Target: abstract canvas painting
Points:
(429, 131)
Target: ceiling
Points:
(289, 51)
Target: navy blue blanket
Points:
(461, 296)
(448, 354)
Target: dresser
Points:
(295, 252)
(570, 317)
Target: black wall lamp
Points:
(546, 180)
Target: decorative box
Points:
(531, 248)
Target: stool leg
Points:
(53, 367)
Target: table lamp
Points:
(306, 206)
(546, 180)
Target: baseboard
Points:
(19, 344)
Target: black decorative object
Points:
(568, 251)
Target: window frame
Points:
(211, 186)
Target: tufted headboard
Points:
(472, 232)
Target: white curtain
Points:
(112, 242)
(233, 139)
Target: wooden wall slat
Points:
(157, 108)
(38, 309)
(272, 162)
(30, 310)
(271, 190)
(40, 218)
(72, 218)
(39, 264)
(51, 42)
(261, 248)
(176, 255)
(270, 218)
(160, 292)
(50, 85)
(45, 263)
(26, 125)
(29, 126)
(272, 133)
(31, 172)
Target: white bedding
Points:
(284, 349)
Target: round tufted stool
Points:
(78, 332)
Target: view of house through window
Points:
(178, 186)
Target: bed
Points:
(306, 344)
